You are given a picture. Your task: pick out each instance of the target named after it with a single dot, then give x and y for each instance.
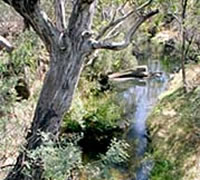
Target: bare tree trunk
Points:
(67, 49)
(55, 100)
(183, 50)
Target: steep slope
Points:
(175, 130)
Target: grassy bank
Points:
(175, 131)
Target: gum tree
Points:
(68, 42)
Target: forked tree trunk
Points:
(67, 47)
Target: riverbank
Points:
(175, 130)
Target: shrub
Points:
(63, 160)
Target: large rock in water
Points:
(138, 72)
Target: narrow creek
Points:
(140, 98)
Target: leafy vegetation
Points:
(15, 113)
(64, 160)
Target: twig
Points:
(114, 22)
(6, 166)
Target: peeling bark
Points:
(60, 14)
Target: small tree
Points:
(183, 49)
(68, 44)
(185, 12)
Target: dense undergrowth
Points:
(19, 81)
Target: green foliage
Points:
(99, 112)
(6, 90)
(73, 120)
(171, 63)
(105, 112)
(59, 161)
(15, 65)
(25, 54)
(116, 155)
(21, 63)
(164, 170)
(7, 97)
(117, 152)
(64, 160)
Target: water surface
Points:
(139, 99)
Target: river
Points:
(139, 99)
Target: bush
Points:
(63, 160)
(58, 161)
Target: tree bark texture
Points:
(67, 47)
(55, 99)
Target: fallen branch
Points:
(4, 43)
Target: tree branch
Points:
(190, 41)
(40, 22)
(112, 35)
(59, 6)
(81, 17)
(144, 5)
(6, 166)
(184, 7)
(122, 45)
(114, 22)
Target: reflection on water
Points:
(145, 97)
